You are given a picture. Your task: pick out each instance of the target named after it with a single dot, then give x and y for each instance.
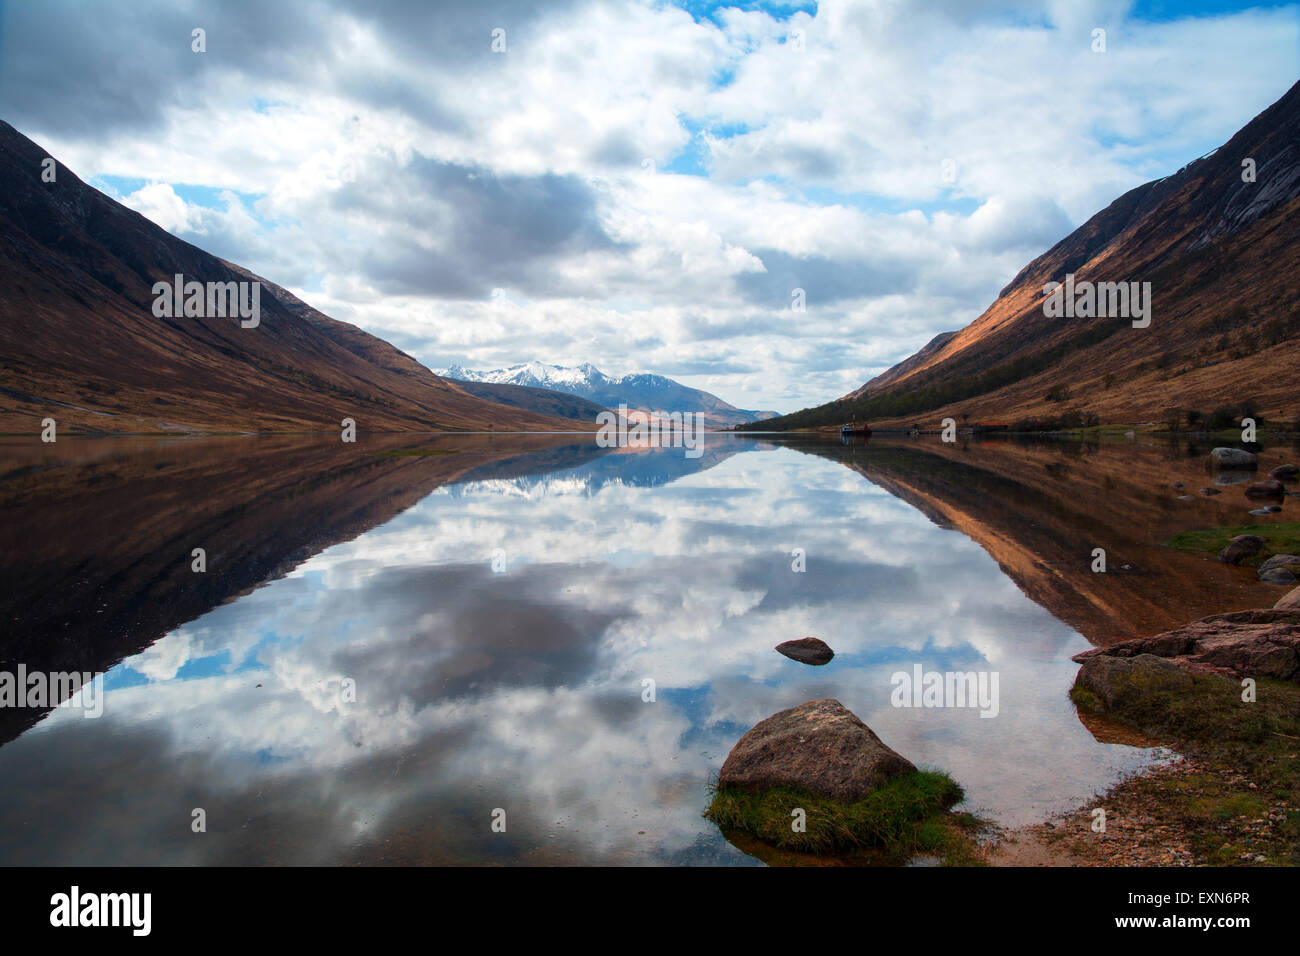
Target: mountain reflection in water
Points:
(500, 607)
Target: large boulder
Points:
(1263, 643)
(1241, 547)
(1233, 458)
(1119, 681)
(807, 650)
(819, 746)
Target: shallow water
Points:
(497, 612)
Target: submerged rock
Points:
(1233, 458)
(819, 746)
(1240, 547)
(807, 650)
(1211, 491)
(1232, 477)
(1265, 489)
(1277, 576)
(1285, 472)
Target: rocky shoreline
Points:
(1224, 691)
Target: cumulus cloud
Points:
(627, 184)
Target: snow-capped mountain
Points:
(578, 380)
(639, 390)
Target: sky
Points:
(640, 185)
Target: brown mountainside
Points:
(1223, 261)
(79, 341)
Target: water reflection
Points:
(499, 610)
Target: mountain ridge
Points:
(643, 391)
(79, 341)
(1222, 255)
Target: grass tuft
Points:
(1281, 538)
(906, 815)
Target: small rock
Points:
(1260, 511)
(1277, 576)
(807, 650)
(1211, 491)
(1232, 477)
(1187, 497)
(1233, 458)
(1178, 484)
(1285, 472)
(1289, 601)
(1242, 546)
(1281, 561)
(1265, 489)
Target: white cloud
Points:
(827, 157)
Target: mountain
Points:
(80, 343)
(543, 401)
(643, 391)
(1222, 258)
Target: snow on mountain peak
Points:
(636, 389)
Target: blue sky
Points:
(640, 185)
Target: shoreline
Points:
(1221, 693)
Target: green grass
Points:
(1252, 753)
(905, 816)
(1211, 712)
(406, 452)
(1281, 538)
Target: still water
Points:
(386, 649)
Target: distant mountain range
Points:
(1219, 243)
(543, 401)
(642, 391)
(81, 340)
